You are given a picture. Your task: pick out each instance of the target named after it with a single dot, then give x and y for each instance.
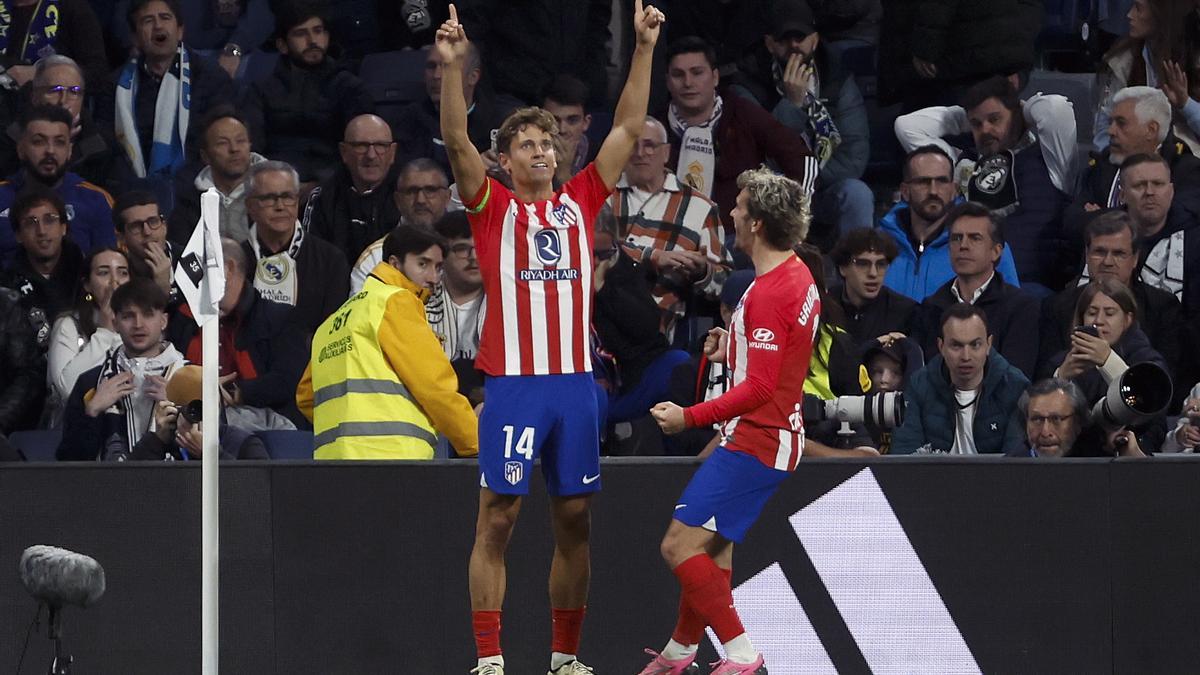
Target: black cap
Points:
(791, 17)
(735, 287)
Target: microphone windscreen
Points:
(60, 577)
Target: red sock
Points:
(486, 623)
(567, 625)
(690, 627)
(706, 589)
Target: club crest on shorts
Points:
(547, 246)
(513, 472)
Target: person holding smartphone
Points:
(1104, 343)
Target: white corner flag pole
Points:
(212, 287)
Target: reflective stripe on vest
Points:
(361, 409)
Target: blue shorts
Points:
(727, 493)
(551, 417)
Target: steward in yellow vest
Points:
(378, 385)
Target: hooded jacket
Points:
(931, 410)
(919, 276)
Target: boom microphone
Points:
(60, 577)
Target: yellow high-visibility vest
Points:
(361, 409)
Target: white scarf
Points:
(697, 149)
(275, 275)
(1164, 265)
(137, 408)
(171, 112)
(443, 317)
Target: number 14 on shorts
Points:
(524, 445)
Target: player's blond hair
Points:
(780, 203)
(521, 118)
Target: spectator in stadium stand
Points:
(1185, 437)
(863, 256)
(114, 405)
(832, 369)
(529, 42)
(59, 81)
(31, 30)
(356, 205)
(566, 98)
(1054, 413)
(976, 242)
(962, 402)
(1092, 361)
(1152, 53)
(45, 149)
(799, 78)
(261, 355)
(1168, 240)
(714, 138)
(416, 128)
(177, 432)
(929, 52)
(422, 195)
(23, 366)
(79, 339)
(1019, 161)
(917, 226)
(46, 267)
(684, 257)
(627, 320)
(296, 113)
(163, 75)
(292, 266)
(226, 156)
(1111, 252)
(142, 233)
(391, 394)
(1140, 125)
(456, 309)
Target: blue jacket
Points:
(930, 409)
(89, 208)
(920, 277)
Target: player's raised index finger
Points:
(453, 13)
(637, 8)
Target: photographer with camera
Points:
(112, 406)
(1186, 436)
(1104, 343)
(177, 428)
(962, 402)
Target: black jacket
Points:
(1133, 348)
(44, 299)
(1159, 317)
(322, 286)
(298, 115)
(1098, 183)
(418, 131)
(628, 320)
(967, 40)
(1010, 312)
(888, 312)
(337, 213)
(22, 367)
(264, 341)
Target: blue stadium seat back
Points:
(258, 66)
(288, 445)
(37, 446)
(1079, 88)
(443, 449)
(394, 78)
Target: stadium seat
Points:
(394, 79)
(37, 446)
(288, 445)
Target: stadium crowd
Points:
(996, 250)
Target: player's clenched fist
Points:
(715, 344)
(451, 39)
(669, 417)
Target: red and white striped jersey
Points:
(770, 344)
(536, 261)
